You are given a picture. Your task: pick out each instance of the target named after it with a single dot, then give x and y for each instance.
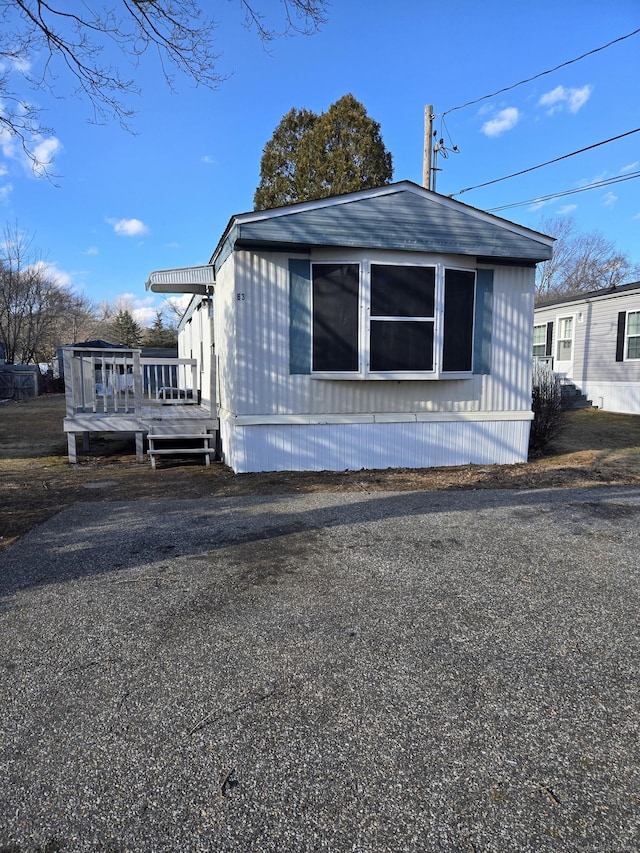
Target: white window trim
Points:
(544, 342)
(627, 336)
(559, 319)
(364, 320)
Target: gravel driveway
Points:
(423, 671)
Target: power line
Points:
(542, 73)
(548, 163)
(595, 185)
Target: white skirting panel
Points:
(354, 446)
(623, 397)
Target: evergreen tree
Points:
(160, 335)
(125, 330)
(286, 162)
(310, 157)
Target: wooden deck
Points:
(115, 390)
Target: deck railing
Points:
(120, 381)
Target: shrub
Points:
(546, 403)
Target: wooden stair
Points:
(180, 444)
(572, 397)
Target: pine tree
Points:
(125, 330)
(160, 335)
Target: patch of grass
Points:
(592, 429)
(36, 480)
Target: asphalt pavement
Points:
(425, 671)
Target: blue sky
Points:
(126, 204)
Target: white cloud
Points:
(609, 199)
(44, 153)
(142, 309)
(5, 192)
(7, 141)
(210, 161)
(128, 227)
(52, 272)
(561, 97)
(44, 150)
(630, 168)
(567, 209)
(502, 122)
(144, 315)
(92, 250)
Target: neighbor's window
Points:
(633, 334)
(540, 340)
(401, 304)
(565, 338)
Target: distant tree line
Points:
(37, 314)
(581, 262)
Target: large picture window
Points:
(388, 320)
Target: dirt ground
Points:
(36, 480)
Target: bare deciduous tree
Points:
(42, 44)
(581, 262)
(35, 310)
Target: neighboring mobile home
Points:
(593, 341)
(383, 328)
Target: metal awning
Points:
(199, 280)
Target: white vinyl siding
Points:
(612, 383)
(252, 343)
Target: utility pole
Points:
(428, 138)
(434, 171)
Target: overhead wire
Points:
(542, 73)
(618, 179)
(547, 163)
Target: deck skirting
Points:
(375, 445)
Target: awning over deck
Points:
(197, 280)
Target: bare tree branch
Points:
(43, 45)
(581, 262)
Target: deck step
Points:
(170, 436)
(204, 449)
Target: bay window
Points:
(391, 320)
